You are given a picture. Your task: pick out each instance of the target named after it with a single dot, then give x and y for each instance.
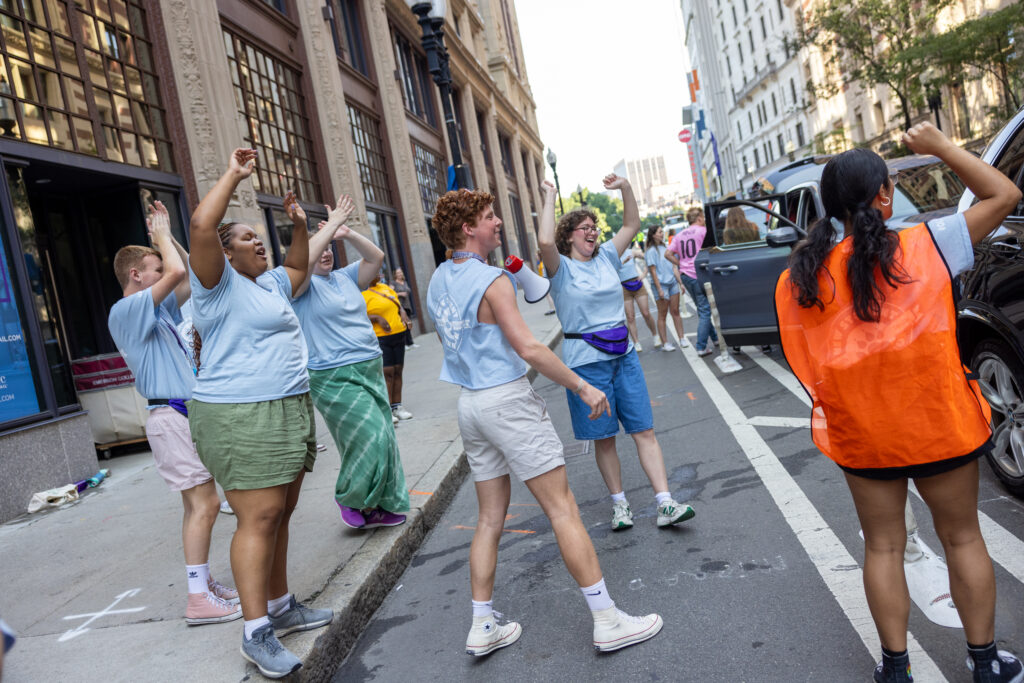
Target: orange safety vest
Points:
(892, 393)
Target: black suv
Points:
(991, 304)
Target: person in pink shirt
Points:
(682, 252)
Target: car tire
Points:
(1001, 379)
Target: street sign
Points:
(685, 135)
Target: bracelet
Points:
(580, 387)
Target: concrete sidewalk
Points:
(96, 590)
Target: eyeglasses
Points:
(587, 228)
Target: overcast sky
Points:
(609, 78)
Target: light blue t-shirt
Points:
(954, 242)
(588, 298)
(655, 256)
(332, 313)
(252, 345)
(476, 355)
(147, 337)
(627, 266)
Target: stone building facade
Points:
(106, 105)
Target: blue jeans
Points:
(704, 327)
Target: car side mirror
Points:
(782, 237)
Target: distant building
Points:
(643, 175)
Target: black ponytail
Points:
(849, 183)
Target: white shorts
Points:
(507, 428)
(173, 451)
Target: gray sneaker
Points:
(298, 617)
(268, 654)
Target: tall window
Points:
(269, 95)
(430, 172)
(792, 89)
(480, 121)
(370, 159)
(799, 135)
(412, 69)
(506, 154)
(348, 34)
(775, 106)
(45, 98)
(276, 4)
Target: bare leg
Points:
(608, 463)
(252, 547)
(492, 497)
(627, 301)
(551, 490)
(880, 507)
(677, 320)
(645, 311)
(952, 498)
(279, 569)
(662, 305)
(395, 390)
(389, 380)
(201, 507)
(649, 451)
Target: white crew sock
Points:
(483, 609)
(619, 497)
(198, 578)
(278, 606)
(597, 596)
(253, 624)
(663, 497)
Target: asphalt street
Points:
(764, 584)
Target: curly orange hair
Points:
(456, 208)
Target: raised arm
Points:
(499, 307)
(184, 289)
(174, 272)
(630, 212)
(373, 257)
(296, 261)
(997, 195)
(207, 257)
(546, 235)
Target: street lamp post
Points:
(552, 160)
(431, 18)
(579, 191)
(932, 93)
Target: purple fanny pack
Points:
(179, 405)
(614, 340)
(632, 285)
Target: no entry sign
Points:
(685, 135)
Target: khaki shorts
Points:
(173, 451)
(507, 428)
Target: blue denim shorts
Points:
(669, 289)
(622, 381)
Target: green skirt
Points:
(254, 445)
(354, 402)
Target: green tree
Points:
(988, 44)
(870, 42)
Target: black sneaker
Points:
(897, 670)
(1003, 668)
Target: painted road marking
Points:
(836, 566)
(1003, 546)
(774, 421)
(93, 616)
(507, 531)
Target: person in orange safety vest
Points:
(868, 326)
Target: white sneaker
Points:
(622, 517)
(668, 346)
(394, 419)
(225, 507)
(614, 629)
(487, 635)
(657, 341)
(401, 413)
(636, 345)
(672, 513)
(684, 343)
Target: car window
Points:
(1011, 162)
(744, 226)
(925, 188)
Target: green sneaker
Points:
(672, 513)
(622, 517)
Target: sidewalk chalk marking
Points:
(93, 616)
(420, 493)
(773, 421)
(689, 394)
(836, 566)
(507, 531)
